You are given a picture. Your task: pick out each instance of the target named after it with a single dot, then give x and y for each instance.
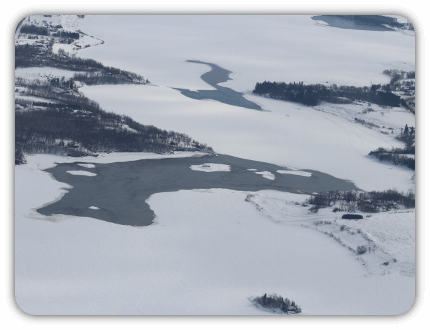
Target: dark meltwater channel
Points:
(222, 94)
(120, 190)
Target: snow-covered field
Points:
(207, 257)
(210, 250)
(288, 134)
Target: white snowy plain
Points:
(208, 251)
(205, 259)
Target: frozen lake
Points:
(120, 190)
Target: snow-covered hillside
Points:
(209, 251)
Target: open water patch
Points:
(225, 95)
(120, 190)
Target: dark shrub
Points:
(361, 249)
(276, 302)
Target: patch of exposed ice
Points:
(267, 175)
(302, 173)
(81, 173)
(94, 208)
(211, 167)
(87, 165)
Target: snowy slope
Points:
(206, 259)
(210, 250)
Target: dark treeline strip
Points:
(39, 131)
(396, 155)
(314, 94)
(373, 201)
(399, 74)
(71, 124)
(39, 56)
(73, 101)
(108, 78)
(34, 29)
(394, 158)
(66, 34)
(81, 120)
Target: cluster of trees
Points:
(95, 72)
(66, 34)
(399, 74)
(110, 76)
(68, 123)
(397, 156)
(393, 157)
(314, 94)
(34, 29)
(373, 201)
(73, 117)
(276, 302)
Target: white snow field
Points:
(205, 259)
(255, 49)
(208, 251)
(211, 167)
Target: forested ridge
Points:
(53, 117)
(399, 156)
(89, 69)
(315, 94)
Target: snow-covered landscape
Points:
(209, 251)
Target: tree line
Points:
(34, 29)
(313, 95)
(373, 201)
(94, 72)
(45, 127)
(397, 156)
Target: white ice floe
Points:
(87, 165)
(211, 167)
(252, 169)
(81, 173)
(302, 173)
(267, 175)
(94, 208)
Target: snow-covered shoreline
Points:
(218, 244)
(222, 246)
